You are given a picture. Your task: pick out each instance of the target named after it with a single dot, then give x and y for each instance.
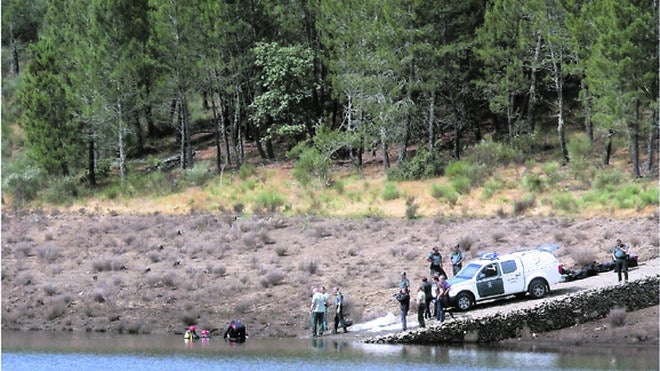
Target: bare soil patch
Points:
(158, 273)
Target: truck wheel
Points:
(538, 289)
(464, 301)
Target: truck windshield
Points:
(469, 271)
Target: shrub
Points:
(439, 191)
(23, 184)
(411, 207)
(462, 184)
(272, 278)
(56, 309)
(246, 170)
(553, 174)
(269, 200)
(492, 154)
(309, 266)
(48, 252)
(564, 201)
(522, 205)
(533, 183)
(420, 166)
(491, 187)
(582, 255)
(390, 192)
(617, 317)
(102, 264)
(199, 174)
(61, 190)
(243, 306)
(281, 251)
(309, 162)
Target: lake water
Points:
(97, 351)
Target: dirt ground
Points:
(93, 270)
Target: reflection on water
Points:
(87, 351)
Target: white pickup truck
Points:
(493, 276)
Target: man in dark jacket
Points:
(404, 304)
(236, 332)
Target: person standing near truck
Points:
(620, 257)
(456, 257)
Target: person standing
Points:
(435, 259)
(339, 310)
(421, 306)
(326, 297)
(404, 304)
(405, 283)
(317, 308)
(620, 257)
(442, 298)
(457, 257)
(428, 296)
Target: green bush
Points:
(492, 154)
(462, 184)
(533, 183)
(390, 192)
(269, 201)
(491, 187)
(564, 201)
(62, 190)
(310, 161)
(421, 166)
(199, 174)
(23, 184)
(246, 170)
(607, 180)
(553, 174)
(439, 191)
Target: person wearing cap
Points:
(405, 283)
(404, 304)
(190, 334)
(457, 257)
(435, 259)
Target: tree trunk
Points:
(586, 104)
(650, 143)
(14, 51)
(91, 163)
(122, 149)
(138, 133)
(633, 134)
(559, 90)
(383, 142)
(608, 148)
(188, 134)
(531, 104)
(457, 141)
(431, 125)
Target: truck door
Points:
(489, 281)
(512, 274)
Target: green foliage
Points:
(607, 180)
(246, 170)
(448, 193)
(62, 190)
(269, 200)
(23, 185)
(492, 154)
(564, 201)
(390, 192)
(310, 161)
(553, 173)
(420, 166)
(533, 183)
(491, 187)
(465, 175)
(199, 174)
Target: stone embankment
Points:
(570, 310)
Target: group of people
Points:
(321, 300)
(236, 333)
(431, 297)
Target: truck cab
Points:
(492, 276)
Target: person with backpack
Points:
(620, 257)
(404, 304)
